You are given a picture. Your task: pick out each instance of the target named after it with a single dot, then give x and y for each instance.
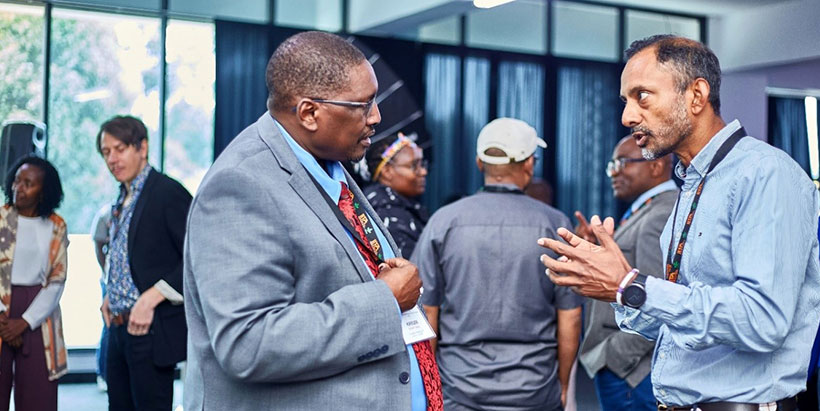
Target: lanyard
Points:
(371, 234)
(673, 262)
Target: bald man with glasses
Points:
(618, 362)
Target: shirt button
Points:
(404, 377)
(663, 355)
(662, 392)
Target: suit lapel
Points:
(304, 188)
(633, 220)
(140, 207)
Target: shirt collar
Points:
(509, 186)
(139, 181)
(700, 164)
(667, 185)
(329, 182)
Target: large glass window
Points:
(640, 24)
(21, 71)
(189, 109)
(443, 31)
(102, 65)
(517, 26)
(585, 31)
(310, 14)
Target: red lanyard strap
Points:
(673, 259)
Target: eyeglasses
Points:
(415, 166)
(366, 105)
(617, 165)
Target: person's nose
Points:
(631, 115)
(374, 117)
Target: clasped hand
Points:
(402, 277)
(11, 330)
(591, 270)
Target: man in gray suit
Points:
(619, 362)
(281, 257)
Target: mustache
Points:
(370, 133)
(643, 130)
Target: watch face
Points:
(634, 296)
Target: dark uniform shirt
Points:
(479, 261)
(403, 217)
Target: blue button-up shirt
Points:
(331, 184)
(121, 290)
(739, 324)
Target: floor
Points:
(86, 396)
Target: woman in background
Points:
(33, 245)
(396, 165)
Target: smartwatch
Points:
(634, 295)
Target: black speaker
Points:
(19, 139)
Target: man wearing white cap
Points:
(507, 336)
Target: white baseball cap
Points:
(517, 139)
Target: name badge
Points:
(414, 326)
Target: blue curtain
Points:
(242, 53)
(442, 99)
(521, 96)
(588, 128)
(787, 128)
(476, 115)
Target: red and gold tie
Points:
(354, 213)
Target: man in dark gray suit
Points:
(619, 362)
(284, 309)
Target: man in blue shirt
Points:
(735, 317)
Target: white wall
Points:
(767, 35)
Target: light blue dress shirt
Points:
(331, 184)
(739, 324)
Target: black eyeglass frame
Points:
(618, 164)
(366, 105)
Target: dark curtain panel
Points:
(476, 115)
(521, 96)
(445, 181)
(242, 53)
(787, 128)
(588, 117)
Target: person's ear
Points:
(479, 164)
(700, 95)
(307, 113)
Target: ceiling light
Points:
(486, 4)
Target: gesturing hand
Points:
(403, 279)
(583, 229)
(591, 270)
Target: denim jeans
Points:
(615, 394)
(103, 348)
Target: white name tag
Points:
(414, 326)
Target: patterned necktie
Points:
(424, 353)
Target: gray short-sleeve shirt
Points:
(479, 261)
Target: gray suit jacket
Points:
(627, 355)
(282, 312)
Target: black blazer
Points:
(155, 238)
